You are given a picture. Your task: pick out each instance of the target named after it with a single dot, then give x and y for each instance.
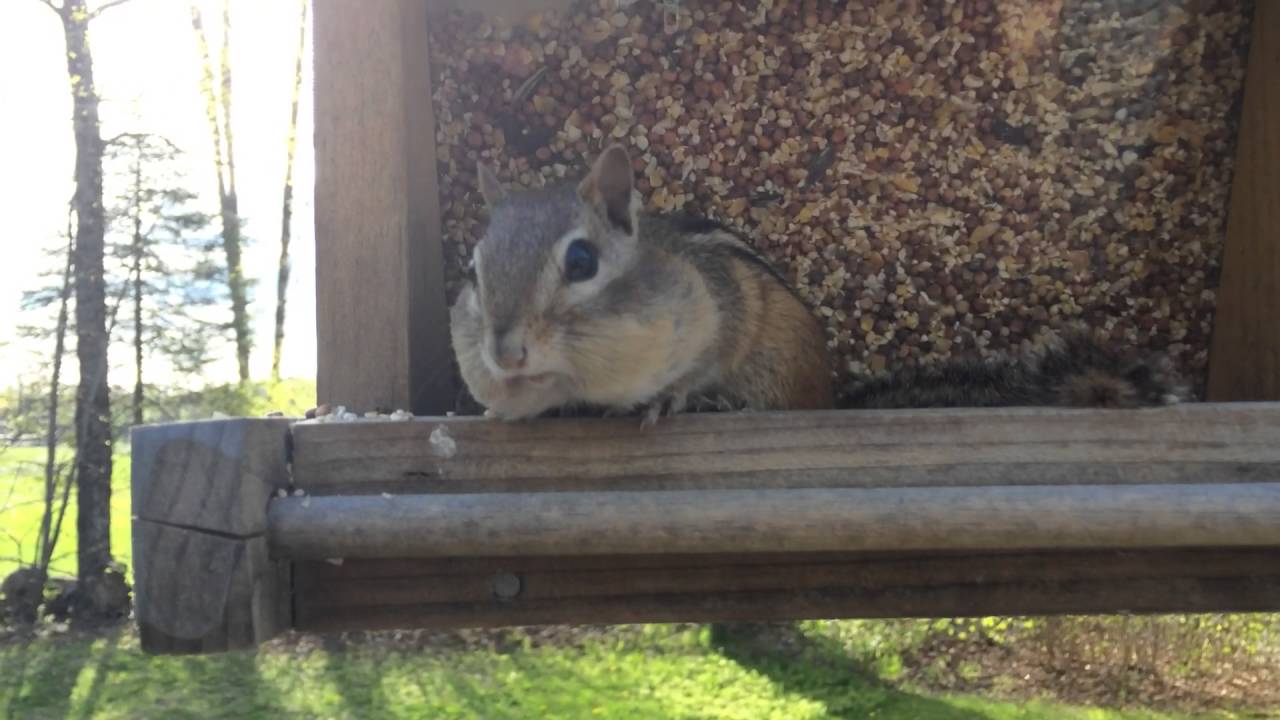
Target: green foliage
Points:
(22, 467)
(665, 673)
(160, 265)
(293, 397)
(24, 409)
(21, 506)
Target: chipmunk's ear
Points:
(490, 186)
(607, 188)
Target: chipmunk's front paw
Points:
(669, 405)
(650, 416)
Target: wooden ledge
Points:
(1193, 443)
(467, 522)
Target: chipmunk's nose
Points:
(509, 351)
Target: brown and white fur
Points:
(678, 310)
(1071, 368)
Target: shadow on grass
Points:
(530, 689)
(228, 685)
(819, 669)
(106, 674)
(358, 683)
(101, 668)
(40, 675)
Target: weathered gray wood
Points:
(1197, 443)
(1085, 597)
(792, 520)
(197, 592)
(567, 505)
(372, 582)
(213, 475)
(382, 322)
(459, 593)
(203, 578)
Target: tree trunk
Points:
(93, 404)
(136, 252)
(286, 215)
(44, 539)
(226, 170)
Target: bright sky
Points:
(147, 71)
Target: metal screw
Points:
(506, 586)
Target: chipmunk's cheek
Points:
(526, 396)
(544, 350)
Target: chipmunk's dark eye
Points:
(580, 262)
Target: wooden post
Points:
(382, 323)
(203, 581)
(1245, 360)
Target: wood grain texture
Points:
(203, 581)
(791, 520)
(1244, 363)
(382, 322)
(1198, 443)
(459, 593)
(201, 593)
(1082, 597)
(211, 475)
(705, 489)
(401, 581)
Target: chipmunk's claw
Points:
(673, 404)
(651, 415)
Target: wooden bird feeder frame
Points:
(245, 528)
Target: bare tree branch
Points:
(105, 7)
(13, 490)
(282, 269)
(56, 531)
(136, 137)
(225, 166)
(43, 549)
(224, 60)
(21, 503)
(55, 8)
(17, 543)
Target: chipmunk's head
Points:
(544, 262)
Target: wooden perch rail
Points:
(761, 521)
(467, 522)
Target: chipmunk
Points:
(1070, 368)
(577, 298)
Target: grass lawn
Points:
(659, 672)
(651, 672)
(22, 475)
(22, 504)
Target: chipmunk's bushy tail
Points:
(1072, 368)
